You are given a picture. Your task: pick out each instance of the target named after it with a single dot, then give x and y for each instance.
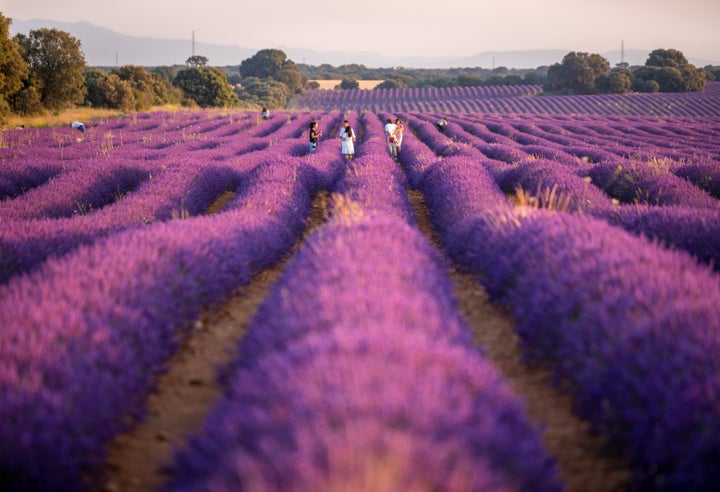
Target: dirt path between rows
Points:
(579, 457)
(186, 392)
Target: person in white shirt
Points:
(390, 137)
(78, 126)
(347, 135)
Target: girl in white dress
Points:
(347, 135)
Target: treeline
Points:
(666, 70)
(399, 77)
(45, 71)
(578, 73)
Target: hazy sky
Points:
(403, 27)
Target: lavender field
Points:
(593, 220)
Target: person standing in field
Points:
(398, 135)
(441, 124)
(347, 135)
(390, 137)
(265, 114)
(314, 135)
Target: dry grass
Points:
(545, 197)
(69, 115)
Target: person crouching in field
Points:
(390, 137)
(347, 135)
(78, 126)
(314, 135)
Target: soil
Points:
(186, 392)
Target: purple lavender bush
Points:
(324, 394)
(694, 230)
(637, 182)
(83, 337)
(704, 175)
(630, 327)
(554, 186)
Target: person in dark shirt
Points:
(441, 124)
(314, 135)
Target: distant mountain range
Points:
(106, 48)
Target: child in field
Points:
(390, 137)
(347, 135)
(265, 114)
(314, 135)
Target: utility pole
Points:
(193, 42)
(622, 52)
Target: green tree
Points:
(576, 73)
(207, 86)
(265, 64)
(293, 78)
(666, 58)
(712, 72)
(143, 85)
(56, 63)
(197, 61)
(108, 91)
(264, 92)
(694, 78)
(398, 82)
(533, 78)
(670, 71)
(468, 80)
(271, 64)
(443, 81)
(165, 73)
(614, 82)
(13, 69)
(349, 83)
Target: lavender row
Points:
(624, 322)
(691, 223)
(83, 337)
(387, 99)
(630, 137)
(18, 179)
(637, 182)
(324, 394)
(693, 229)
(627, 323)
(77, 192)
(180, 192)
(185, 188)
(584, 140)
(693, 104)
